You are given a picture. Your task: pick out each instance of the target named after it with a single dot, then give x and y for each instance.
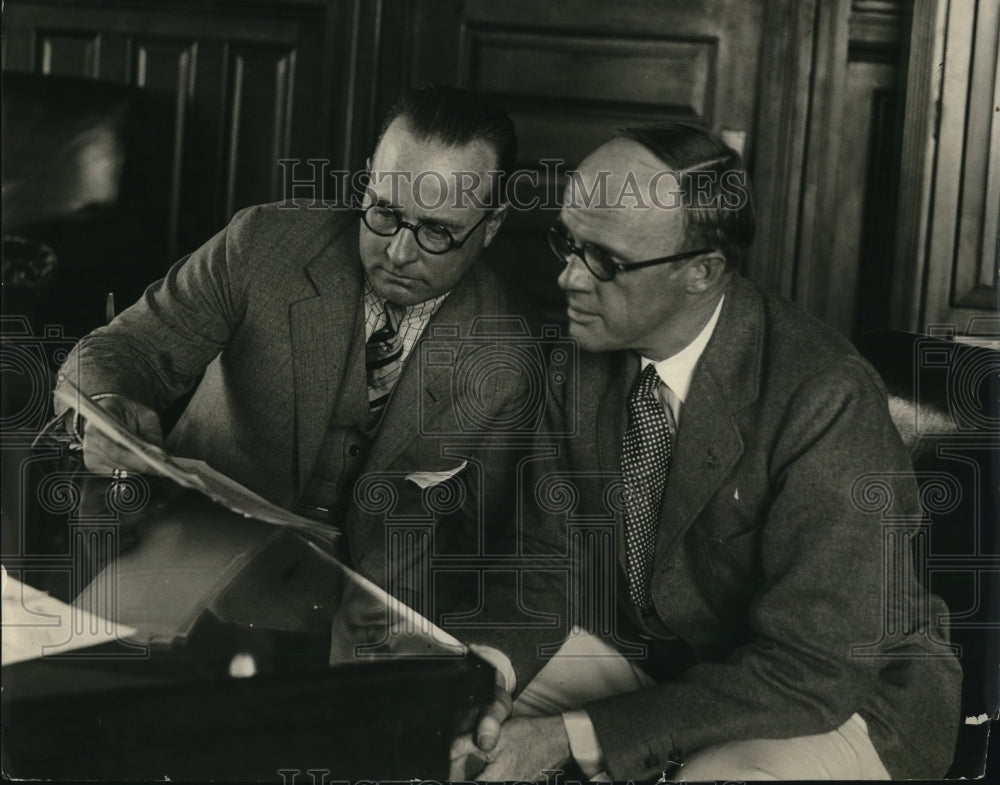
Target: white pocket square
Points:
(427, 479)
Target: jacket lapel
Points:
(425, 392)
(709, 442)
(324, 329)
(612, 421)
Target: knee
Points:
(733, 761)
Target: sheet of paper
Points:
(189, 473)
(37, 625)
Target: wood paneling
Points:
(167, 67)
(733, 30)
(68, 54)
(569, 93)
(827, 167)
(872, 309)
(675, 75)
(780, 154)
(969, 112)
(810, 89)
(241, 78)
(950, 250)
(850, 262)
(260, 109)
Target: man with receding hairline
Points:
(776, 643)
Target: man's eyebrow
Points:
(609, 251)
(447, 223)
(569, 233)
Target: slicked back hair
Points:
(713, 183)
(457, 117)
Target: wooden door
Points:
(947, 274)
(572, 73)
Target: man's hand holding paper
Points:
(101, 453)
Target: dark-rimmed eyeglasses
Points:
(598, 261)
(431, 237)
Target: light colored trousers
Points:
(587, 669)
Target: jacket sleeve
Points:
(156, 350)
(822, 589)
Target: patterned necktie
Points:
(645, 466)
(382, 361)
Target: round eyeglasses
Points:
(598, 261)
(431, 237)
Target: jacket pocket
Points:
(732, 562)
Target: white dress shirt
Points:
(675, 373)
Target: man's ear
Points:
(493, 223)
(706, 272)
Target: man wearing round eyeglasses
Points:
(307, 326)
(411, 263)
(766, 627)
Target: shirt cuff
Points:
(500, 661)
(583, 742)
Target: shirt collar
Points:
(375, 308)
(677, 371)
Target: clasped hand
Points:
(509, 748)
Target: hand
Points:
(100, 454)
(526, 748)
(493, 715)
(486, 729)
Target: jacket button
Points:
(354, 449)
(651, 762)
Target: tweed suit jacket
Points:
(270, 312)
(780, 516)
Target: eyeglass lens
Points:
(385, 222)
(593, 257)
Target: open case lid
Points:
(212, 596)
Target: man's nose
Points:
(403, 247)
(575, 276)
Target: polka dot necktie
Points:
(645, 466)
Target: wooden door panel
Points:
(69, 54)
(570, 68)
(568, 94)
(165, 67)
(259, 98)
(650, 50)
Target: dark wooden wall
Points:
(811, 90)
(247, 83)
